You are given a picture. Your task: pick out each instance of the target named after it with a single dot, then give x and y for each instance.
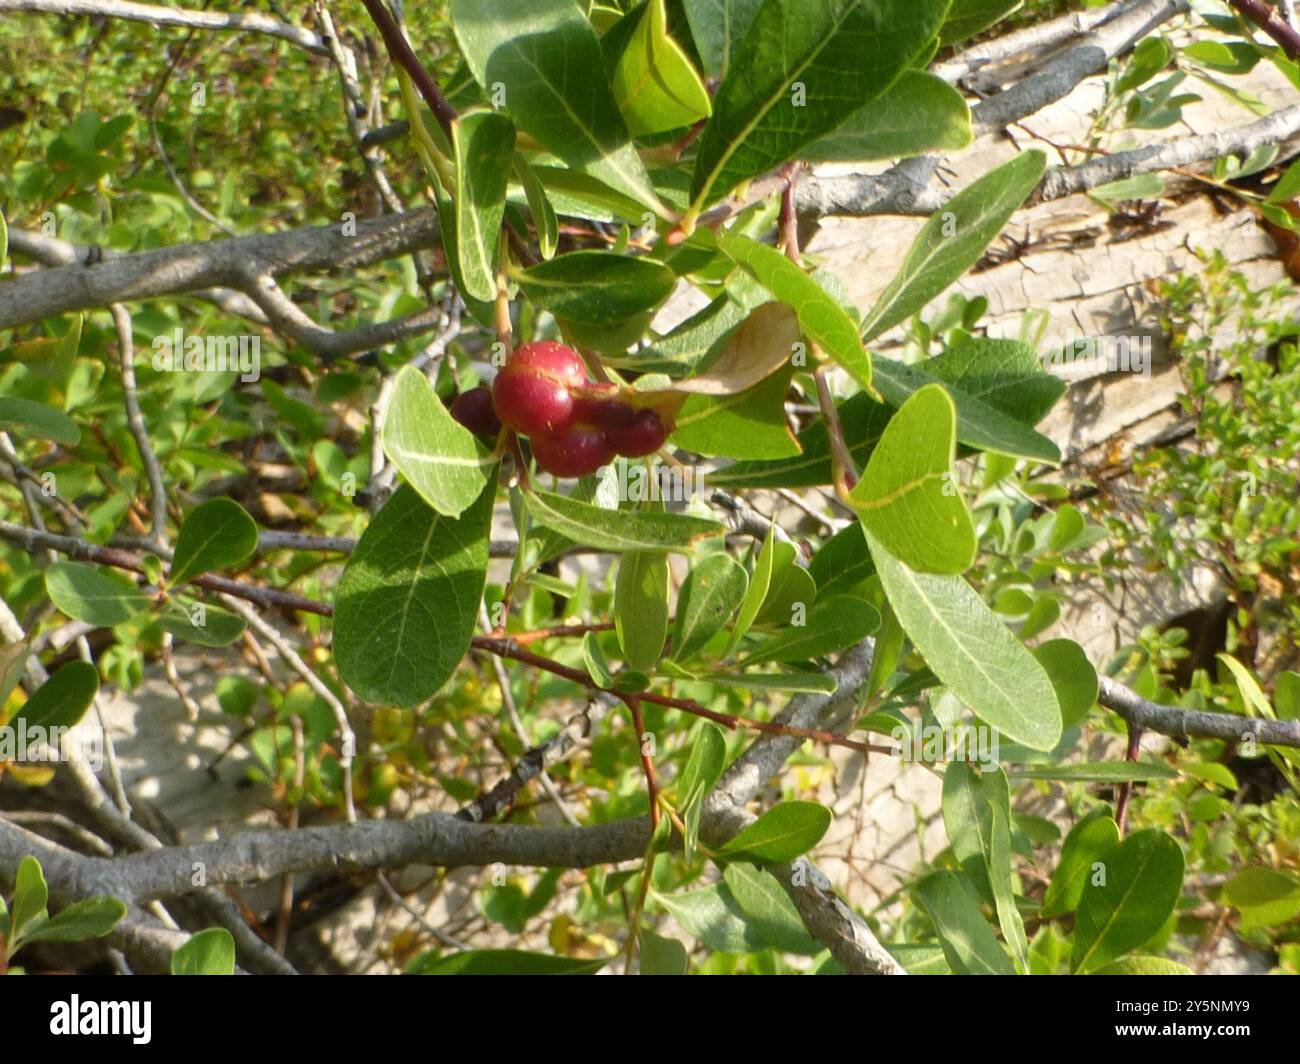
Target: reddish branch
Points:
(1270, 20)
(400, 51)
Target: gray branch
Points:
(1194, 723)
(173, 16)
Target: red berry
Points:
(473, 409)
(575, 453)
(603, 413)
(531, 393)
(643, 435)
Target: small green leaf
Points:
(703, 767)
(759, 582)
(1143, 877)
(641, 607)
(1263, 896)
(919, 113)
(1073, 678)
(1143, 964)
(217, 534)
(711, 594)
(408, 599)
(825, 322)
(768, 909)
(202, 624)
(968, 17)
(209, 952)
(545, 223)
(597, 287)
(795, 682)
(618, 530)
(830, 625)
(972, 652)
(593, 656)
(908, 498)
(88, 918)
(662, 956)
(484, 144)
(544, 60)
(714, 917)
(30, 898)
(954, 238)
(92, 594)
(1099, 772)
(440, 458)
(1088, 841)
(62, 700)
(718, 27)
(784, 832)
(655, 85)
(968, 941)
(40, 419)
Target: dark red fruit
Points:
(473, 409)
(532, 392)
(575, 453)
(603, 413)
(643, 434)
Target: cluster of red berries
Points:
(543, 392)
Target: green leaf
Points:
(1099, 772)
(502, 962)
(62, 700)
(593, 656)
(714, 917)
(759, 582)
(825, 322)
(1000, 878)
(539, 205)
(484, 145)
(545, 57)
(784, 832)
(830, 625)
(968, 17)
(655, 85)
(1287, 187)
(919, 113)
(1006, 375)
(88, 918)
(641, 607)
(799, 72)
(862, 420)
(440, 458)
(768, 909)
(968, 942)
(796, 682)
(209, 952)
(40, 419)
(1073, 678)
(1088, 841)
(843, 561)
(662, 956)
(408, 599)
(750, 424)
(597, 287)
(30, 898)
(954, 238)
(1264, 897)
(1143, 964)
(1143, 877)
(968, 800)
(908, 498)
(972, 652)
(618, 530)
(92, 594)
(979, 424)
(217, 534)
(718, 27)
(209, 627)
(711, 593)
(4, 240)
(703, 767)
